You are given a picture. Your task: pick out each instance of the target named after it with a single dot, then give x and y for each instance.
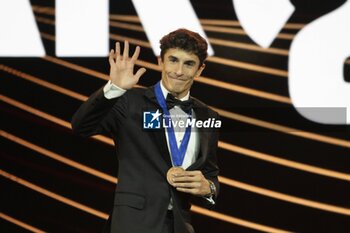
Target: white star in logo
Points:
(156, 115)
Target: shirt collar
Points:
(165, 93)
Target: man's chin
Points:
(175, 90)
(176, 81)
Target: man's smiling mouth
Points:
(177, 78)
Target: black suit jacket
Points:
(142, 194)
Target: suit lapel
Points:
(162, 144)
(159, 135)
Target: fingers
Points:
(111, 57)
(125, 55)
(192, 182)
(189, 190)
(117, 51)
(188, 185)
(136, 54)
(188, 173)
(139, 73)
(196, 188)
(126, 50)
(187, 179)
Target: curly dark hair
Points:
(187, 40)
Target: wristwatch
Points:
(212, 189)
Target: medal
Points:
(171, 172)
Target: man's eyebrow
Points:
(172, 57)
(190, 62)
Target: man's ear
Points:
(160, 62)
(200, 69)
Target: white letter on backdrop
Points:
(316, 83)
(263, 20)
(19, 34)
(82, 28)
(159, 17)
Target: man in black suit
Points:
(161, 171)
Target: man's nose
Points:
(179, 70)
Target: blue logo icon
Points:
(151, 120)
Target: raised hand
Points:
(122, 67)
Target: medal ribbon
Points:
(177, 153)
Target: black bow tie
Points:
(186, 106)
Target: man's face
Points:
(179, 68)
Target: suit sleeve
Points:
(98, 115)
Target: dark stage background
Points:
(279, 171)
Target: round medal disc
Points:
(171, 172)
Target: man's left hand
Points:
(192, 182)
